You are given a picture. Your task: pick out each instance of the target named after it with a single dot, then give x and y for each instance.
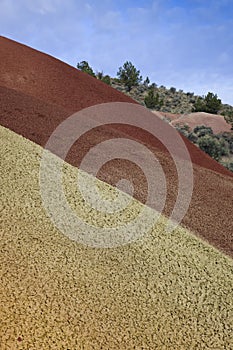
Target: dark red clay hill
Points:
(38, 92)
(47, 79)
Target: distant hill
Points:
(178, 109)
(174, 101)
(216, 122)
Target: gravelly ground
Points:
(160, 292)
(46, 91)
(216, 122)
(211, 207)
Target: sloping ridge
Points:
(29, 110)
(54, 82)
(45, 77)
(160, 292)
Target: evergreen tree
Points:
(99, 75)
(146, 81)
(210, 104)
(106, 79)
(213, 103)
(129, 75)
(84, 67)
(153, 101)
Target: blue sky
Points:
(186, 44)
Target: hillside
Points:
(216, 122)
(56, 292)
(174, 101)
(61, 86)
(177, 108)
(35, 117)
(48, 79)
(77, 273)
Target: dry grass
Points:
(160, 292)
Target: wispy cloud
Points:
(187, 44)
(43, 7)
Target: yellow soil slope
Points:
(160, 292)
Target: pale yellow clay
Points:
(163, 291)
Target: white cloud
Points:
(43, 6)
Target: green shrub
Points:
(153, 86)
(212, 146)
(228, 137)
(229, 166)
(153, 101)
(173, 90)
(106, 79)
(229, 117)
(210, 104)
(183, 129)
(193, 137)
(202, 130)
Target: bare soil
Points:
(38, 92)
(161, 291)
(216, 122)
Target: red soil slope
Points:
(37, 100)
(46, 78)
(211, 205)
(216, 122)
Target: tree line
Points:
(130, 77)
(217, 146)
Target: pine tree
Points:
(84, 67)
(210, 104)
(129, 75)
(153, 101)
